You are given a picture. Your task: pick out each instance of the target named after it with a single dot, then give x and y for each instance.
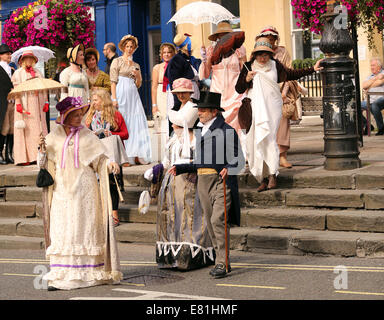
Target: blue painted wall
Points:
(116, 18)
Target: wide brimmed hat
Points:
(28, 53)
(94, 51)
(182, 40)
(211, 100)
(268, 31)
(263, 44)
(4, 48)
(187, 115)
(222, 27)
(67, 105)
(182, 85)
(125, 39)
(72, 52)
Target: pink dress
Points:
(224, 78)
(26, 140)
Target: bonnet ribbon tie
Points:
(74, 132)
(31, 71)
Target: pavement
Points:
(313, 211)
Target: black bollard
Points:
(341, 147)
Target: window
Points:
(154, 12)
(302, 47)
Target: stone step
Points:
(314, 219)
(28, 227)
(130, 213)
(310, 197)
(18, 242)
(27, 193)
(20, 209)
(368, 177)
(269, 240)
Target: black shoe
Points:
(380, 132)
(218, 271)
(9, 149)
(50, 288)
(366, 130)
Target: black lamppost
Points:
(341, 148)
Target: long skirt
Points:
(183, 241)
(138, 143)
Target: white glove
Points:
(203, 54)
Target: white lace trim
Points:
(76, 250)
(164, 248)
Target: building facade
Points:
(148, 21)
(145, 19)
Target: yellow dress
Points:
(101, 81)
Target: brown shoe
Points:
(272, 183)
(263, 186)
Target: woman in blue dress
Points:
(125, 81)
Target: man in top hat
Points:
(6, 107)
(183, 65)
(218, 159)
(224, 76)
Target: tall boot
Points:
(9, 149)
(2, 140)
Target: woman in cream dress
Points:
(81, 248)
(125, 80)
(74, 77)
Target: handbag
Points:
(290, 110)
(245, 114)
(44, 178)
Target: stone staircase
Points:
(313, 212)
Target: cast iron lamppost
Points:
(341, 148)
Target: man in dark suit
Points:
(5, 87)
(218, 158)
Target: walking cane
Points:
(226, 226)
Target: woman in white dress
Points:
(125, 80)
(183, 241)
(261, 77)
(74, 76)
(81, 248)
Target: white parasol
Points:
(42, 53)
(201, 12)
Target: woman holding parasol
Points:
(223, 61)
(29, 117)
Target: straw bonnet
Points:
(269, 31)
(222, 27)
(125, 39)
(182, 40)
(67, 105)
(93, 51)
(182, 85)
(263, 44)
(211, 100)
(28, 53)
(73, 52)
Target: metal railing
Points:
(313, 83)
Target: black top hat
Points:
(4, 49)
(209, 100)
